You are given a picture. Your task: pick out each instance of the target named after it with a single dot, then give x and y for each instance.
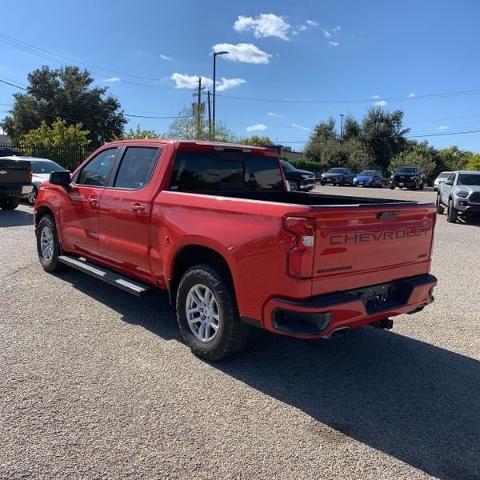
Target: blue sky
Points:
(316, 59)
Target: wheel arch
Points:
(194, 254)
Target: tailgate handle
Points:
(387, 215)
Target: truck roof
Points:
(182, 143)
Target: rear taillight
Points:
(29, 175)
(300, 256)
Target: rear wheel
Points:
(439, 207)
(207, 313)
(48, 246)
(452, 212)
(32, 196)
(392, 187)
(9, 203)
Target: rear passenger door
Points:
(124, 210)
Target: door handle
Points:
(93, 201)
(137, 208)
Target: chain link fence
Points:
(67, 158)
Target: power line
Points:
(55, 57)
(358, 100)
(12, 84)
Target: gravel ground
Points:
(95, 383)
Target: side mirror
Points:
(60, 178)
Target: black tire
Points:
(9, 203)
(49, 264)
(232, 333)
(422, 186)
(439, 207)
(392, 187)
(322, 183)
(452, 213)
(32, 196)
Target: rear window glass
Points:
(225, 171)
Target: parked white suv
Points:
(460, 195)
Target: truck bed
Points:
(313, 199)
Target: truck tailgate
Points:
(352, 242)
(14, 171)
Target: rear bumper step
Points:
(321, 316)
(107, 276)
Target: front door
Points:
(79, 212)
(124, 211)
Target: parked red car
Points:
(215, 225)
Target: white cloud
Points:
(412, 95)
(227, 83)
(183, 80)
(242, 52)
(300, 127)
(333, 44)
(326, 33)
(376, 97)
(276, 115)
(113, 79)
(311, 23)
(302, 28)
(265, 25)
(165, 57)
(381, 103)
(443, 127)
(256, 128)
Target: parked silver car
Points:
(460, 195)
(440, 179)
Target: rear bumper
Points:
(320, 316)
(14, 190)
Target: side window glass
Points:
(97, 170)
(136, 167)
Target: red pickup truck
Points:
(216, 226)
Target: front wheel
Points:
(207, 313)
(392, 187)
(48, 246)
(452, 212)
(9, 203)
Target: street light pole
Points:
(341, 125)
(213, 88)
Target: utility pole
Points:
(341, 125)
(209, 116)
(199, 106)
(215, 54)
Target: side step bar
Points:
(107, 276)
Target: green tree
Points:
(351, 128)
(138, 134)
(473, 162)
(186, 128)
(258, 141)
(64, 143)
(383, 135)
(452, 158)
(65, 93)
(419, 155)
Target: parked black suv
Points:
(407, 177)
(298, 179)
